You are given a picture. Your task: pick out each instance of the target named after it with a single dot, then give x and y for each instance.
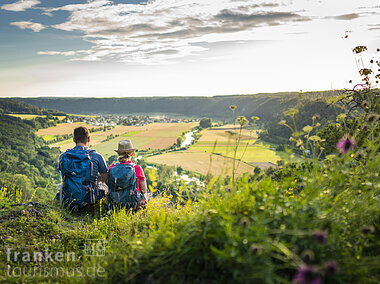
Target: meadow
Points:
(200, 162)
(222, 140)
(32, 116)
(214, 151)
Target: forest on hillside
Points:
(262, 105)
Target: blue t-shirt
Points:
(98, 162)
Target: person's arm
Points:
(104, 177)
(143, 187)
(103, 170)
(141, 179)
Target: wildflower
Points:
(307, 129)
(368, 230)
(316, 117)
(307, 275)
(242, 120)
(282, 122)
(254, 118)
(345, 144)
(331, 267)
(320, 236)
(232, 107)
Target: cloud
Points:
(374, 27)
(163, 30)
(347, 16)
(36, 27)
(21, 5)
(64, 53)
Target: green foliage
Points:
(22, 153)
(14, 106)
(205, 123)
(306, 110)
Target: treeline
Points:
(26, 162)
(215, 107)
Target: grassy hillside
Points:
(320, 221)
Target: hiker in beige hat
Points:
(125, 151)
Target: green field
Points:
(107, 148)
(131, 133)
(48, 138)
(253, 153)
(218, 144)
(25, 116)
(32, 116)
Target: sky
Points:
(132, 48)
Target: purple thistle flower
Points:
(345, 144)
(307, 275)
(331, 267)
(320, 236)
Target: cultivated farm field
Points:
(200, 162)
(222, 140)
(150, 136)
(214, 152)
(62, 128)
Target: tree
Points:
(257, 170)
(179, 141)
(205, 122)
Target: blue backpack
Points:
(77, 170)
(122, 187)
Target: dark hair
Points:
(81, 134)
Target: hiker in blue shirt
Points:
(79, 167)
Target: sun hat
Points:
(125, 146)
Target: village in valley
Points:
(130, 120)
